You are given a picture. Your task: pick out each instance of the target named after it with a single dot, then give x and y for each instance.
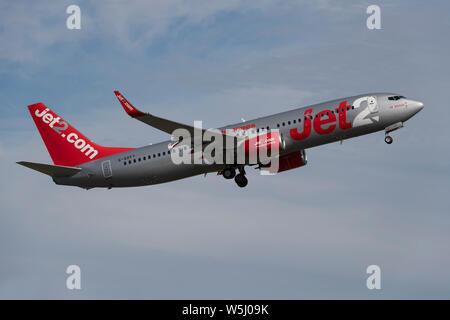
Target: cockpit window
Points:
(395, 97)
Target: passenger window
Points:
(164, 153)
(159, 154)
(289, 123)
(278, 125)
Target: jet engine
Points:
(263, 145)
(286, 162)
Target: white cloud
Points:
(28, 29)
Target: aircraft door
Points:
(106, 168)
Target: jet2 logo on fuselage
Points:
(369, 114)
(323, 123)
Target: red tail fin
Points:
(66, 145)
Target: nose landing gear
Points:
(388, 139)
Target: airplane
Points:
(80, 162)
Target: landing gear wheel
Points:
(241, 180)
(229, 173)
(388, 139)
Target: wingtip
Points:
(127, 106)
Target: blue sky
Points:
(306, 233)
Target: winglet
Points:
(128, 107)
(152, 120)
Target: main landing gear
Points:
(229, 173)
(240, 179)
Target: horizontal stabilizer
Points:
(51, 170)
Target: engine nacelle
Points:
(287, 162)
(263, 144)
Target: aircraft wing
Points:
(162, 124)
(170, 126)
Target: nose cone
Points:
(414, 106)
